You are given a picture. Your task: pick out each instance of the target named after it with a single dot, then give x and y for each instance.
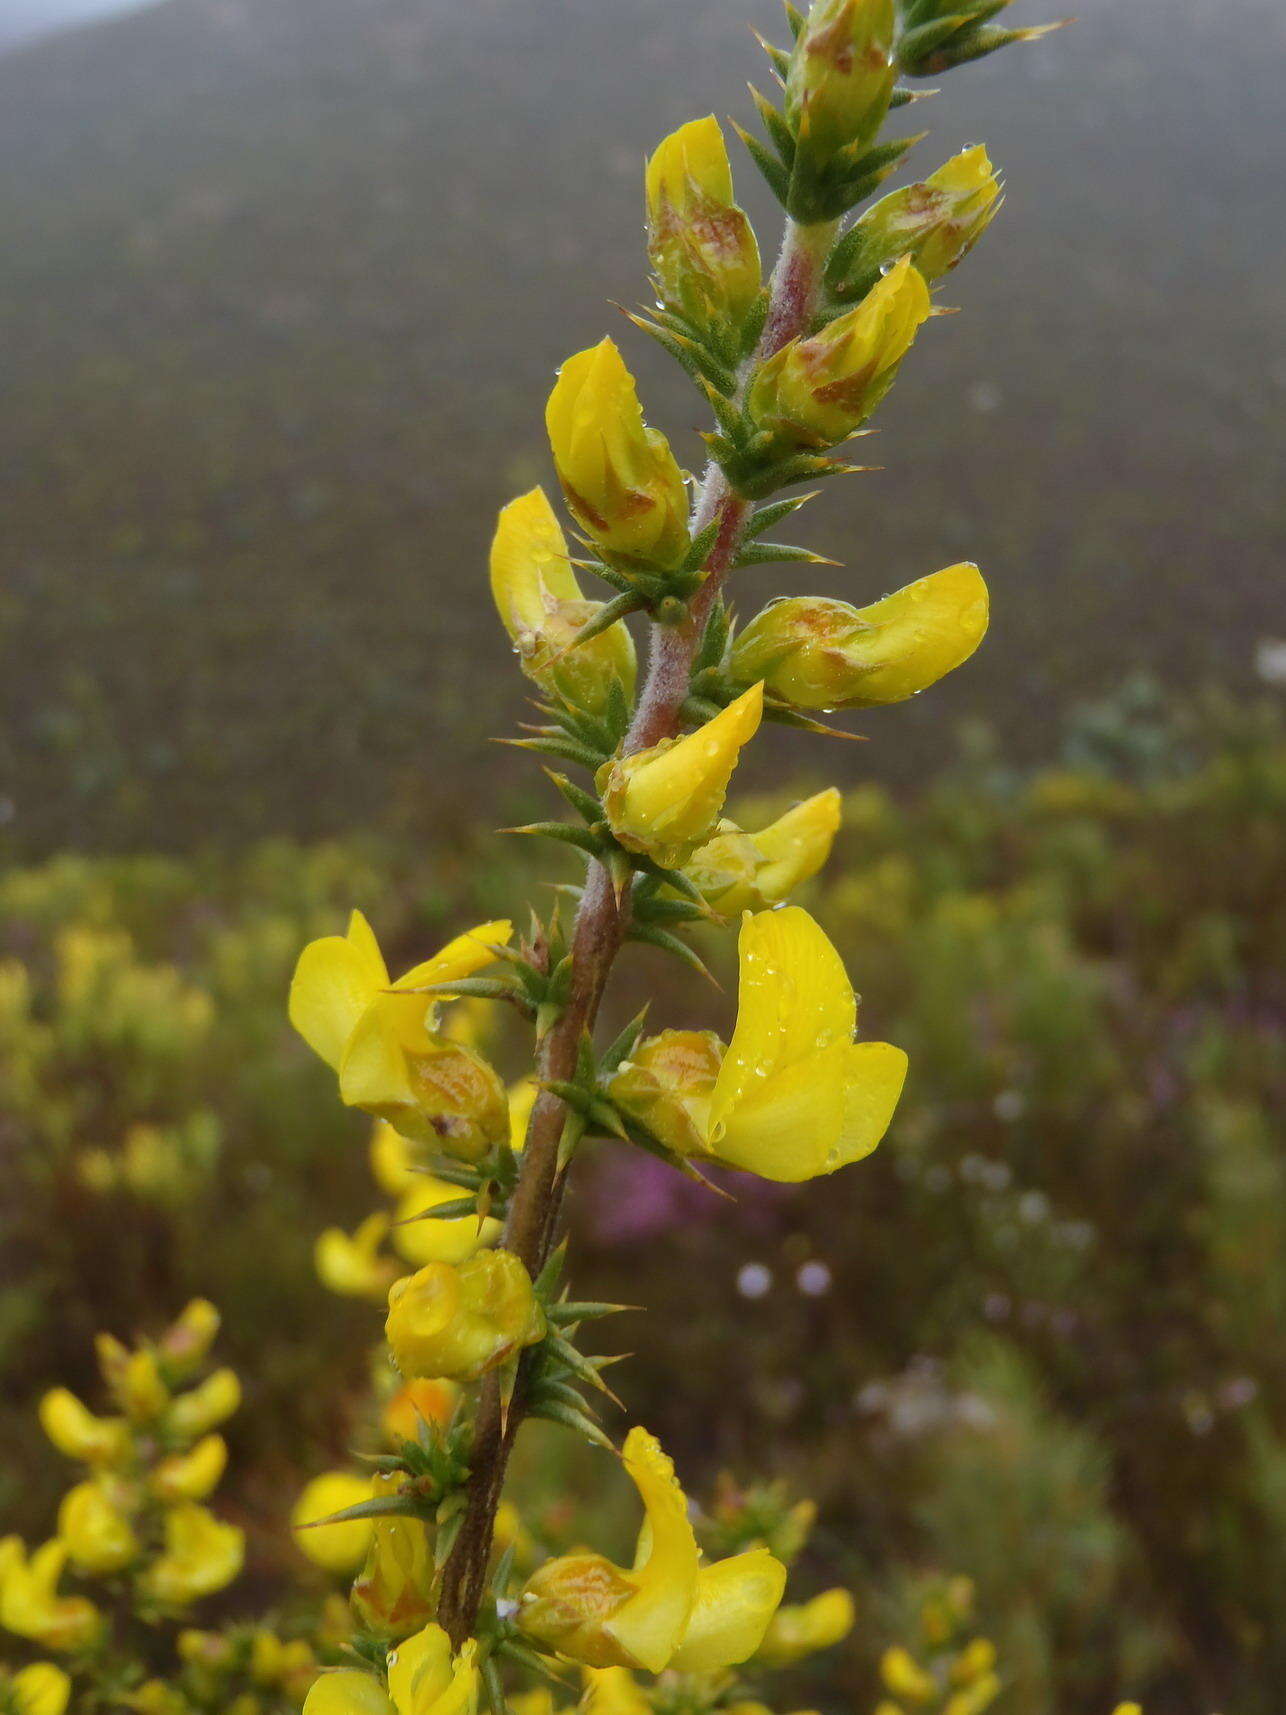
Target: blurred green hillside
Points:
(283, 286)
(1035, 1339)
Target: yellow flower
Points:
(394, 1593)
(618, 476)
(134, 1378)
(666, 800)
(936, 222)
(816, 392)
(75, 1431)
(39, 1689)
(347, 1691)
(796, 1632)
(704, 256)
(425, 1678)
(94, 1526)
(31, 1606)
(667, 1610)
(1128, 1709)
(666, 1085)
(392, 1160)
(612, 1691)
(975, 1660)
(795, 1095)
(818, 653)
(201, 1556)
(193, 1475)
(379, 1037)
(415, 1403)
(983, 1693)
(420, 1239)
(350, 1264)
(460, 1321)
(201, 1408)
(905, 1677)
(188, 1339)
(337, 1547)
(841, 75)
(738, 871)
(541, 605)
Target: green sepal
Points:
(459, 1208)
(764, 517)
(779, 132)
(777, 176)
(565, 749)
(624, 1045)
(557, 1411)
(584, 803)
(780, 553)
(564, 832)
(652, 935)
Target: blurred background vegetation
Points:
(283, 287)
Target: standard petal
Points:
(649, 1623)
(332, 987)
(735, 1600)
(361, 937)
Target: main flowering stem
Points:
(596, 939)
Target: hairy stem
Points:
(599, 930)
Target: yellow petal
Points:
(426, 1240)
(530, 563)
(797, 844)
(874, 1075)
(787, 1126)
(337, 1547)
(735, 1600)
(40, 1689)
(649, 1623)
(335, 981)
(459, 958)
(373, 1071)
(347, 1691)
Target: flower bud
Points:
(904, 1676)
(974, 1699)
(201, 1556)
(665, 801)
(818, 653)
(619, 477)
(394, 1592)
(816, 392)
(935, 223)
(75, 1431)
(188, 1339)
(543, 610)
(97, 1532)
(193, 1475)
(203, 1407)
(737, 871)
(336, 1547)
(38, 1689)
(351, 1266)
(841, 75)
(702, 247)
(134, 1378)
(799, 1631)
(666, 1086)
(31, 1607)
(461, 1321)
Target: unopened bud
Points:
(702, 247)
(817, 653)
(191, 1476)
(394, 1593)
(666, 1086)
(841, 75)
(619, 477)
(205, 1406)
(799, 1631)
(188, 1339)
(816, 392)
(935, 223)
(461, 1321)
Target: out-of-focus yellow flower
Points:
(816, 391)
(936, 222)
(337, 1547)
(96, 1529)
(795, 1095)
(619, 477)
(394, 1593)
(739, 871)
(666, 800)
(612, 1691)
(379, 1036)
(350, 1264)
(818, 653)
(522, 1099)
(973, 1699)
(347, 1691)
(976, 1659)
(190, 1336)
(905, 1677)
(841, 75)
(392, 1163)
(1128, 1709)
(420, 1239)
(193, 1475)
(31, 1606)
(667, 1610)
(704, 256)
(134, 1378)
(425, 1400)
(798, 1631)
(39, 1689)
(425, 1678)
(77, 1432)
(460, 1321)
(666, 1085)
(202, 1554)
(205, 1406)
(543, 609)
(287, 1665)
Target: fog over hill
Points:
(285, 282)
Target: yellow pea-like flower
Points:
(739, 871)
(618, 476)
(976, 1659)
(201, 1556)
(704, 255)
(193, 1475)
(38, 1689)
(426, 1400)
(459, 1321)
(543, 609)
(420, 1239)
(96, 1528)
(613, 1691)
(190, 1336)
(936, 222)
(204, 1407)
(665, 801)
(799, 1631)
(666, 1609)
(426, 1678)
(31, 1607)
(666, 1085)
(905, 1677)
(379, 1037)
(973, 1699)
(350, 1264)
(336, 1547)
(796, 1096)
(394, 1594)
(841, 74)
(347, 1691)
(815, 392)
(134, 1378)
(77, 1432)
(1128, 1709)
(818, 653)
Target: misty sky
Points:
(27, 18)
